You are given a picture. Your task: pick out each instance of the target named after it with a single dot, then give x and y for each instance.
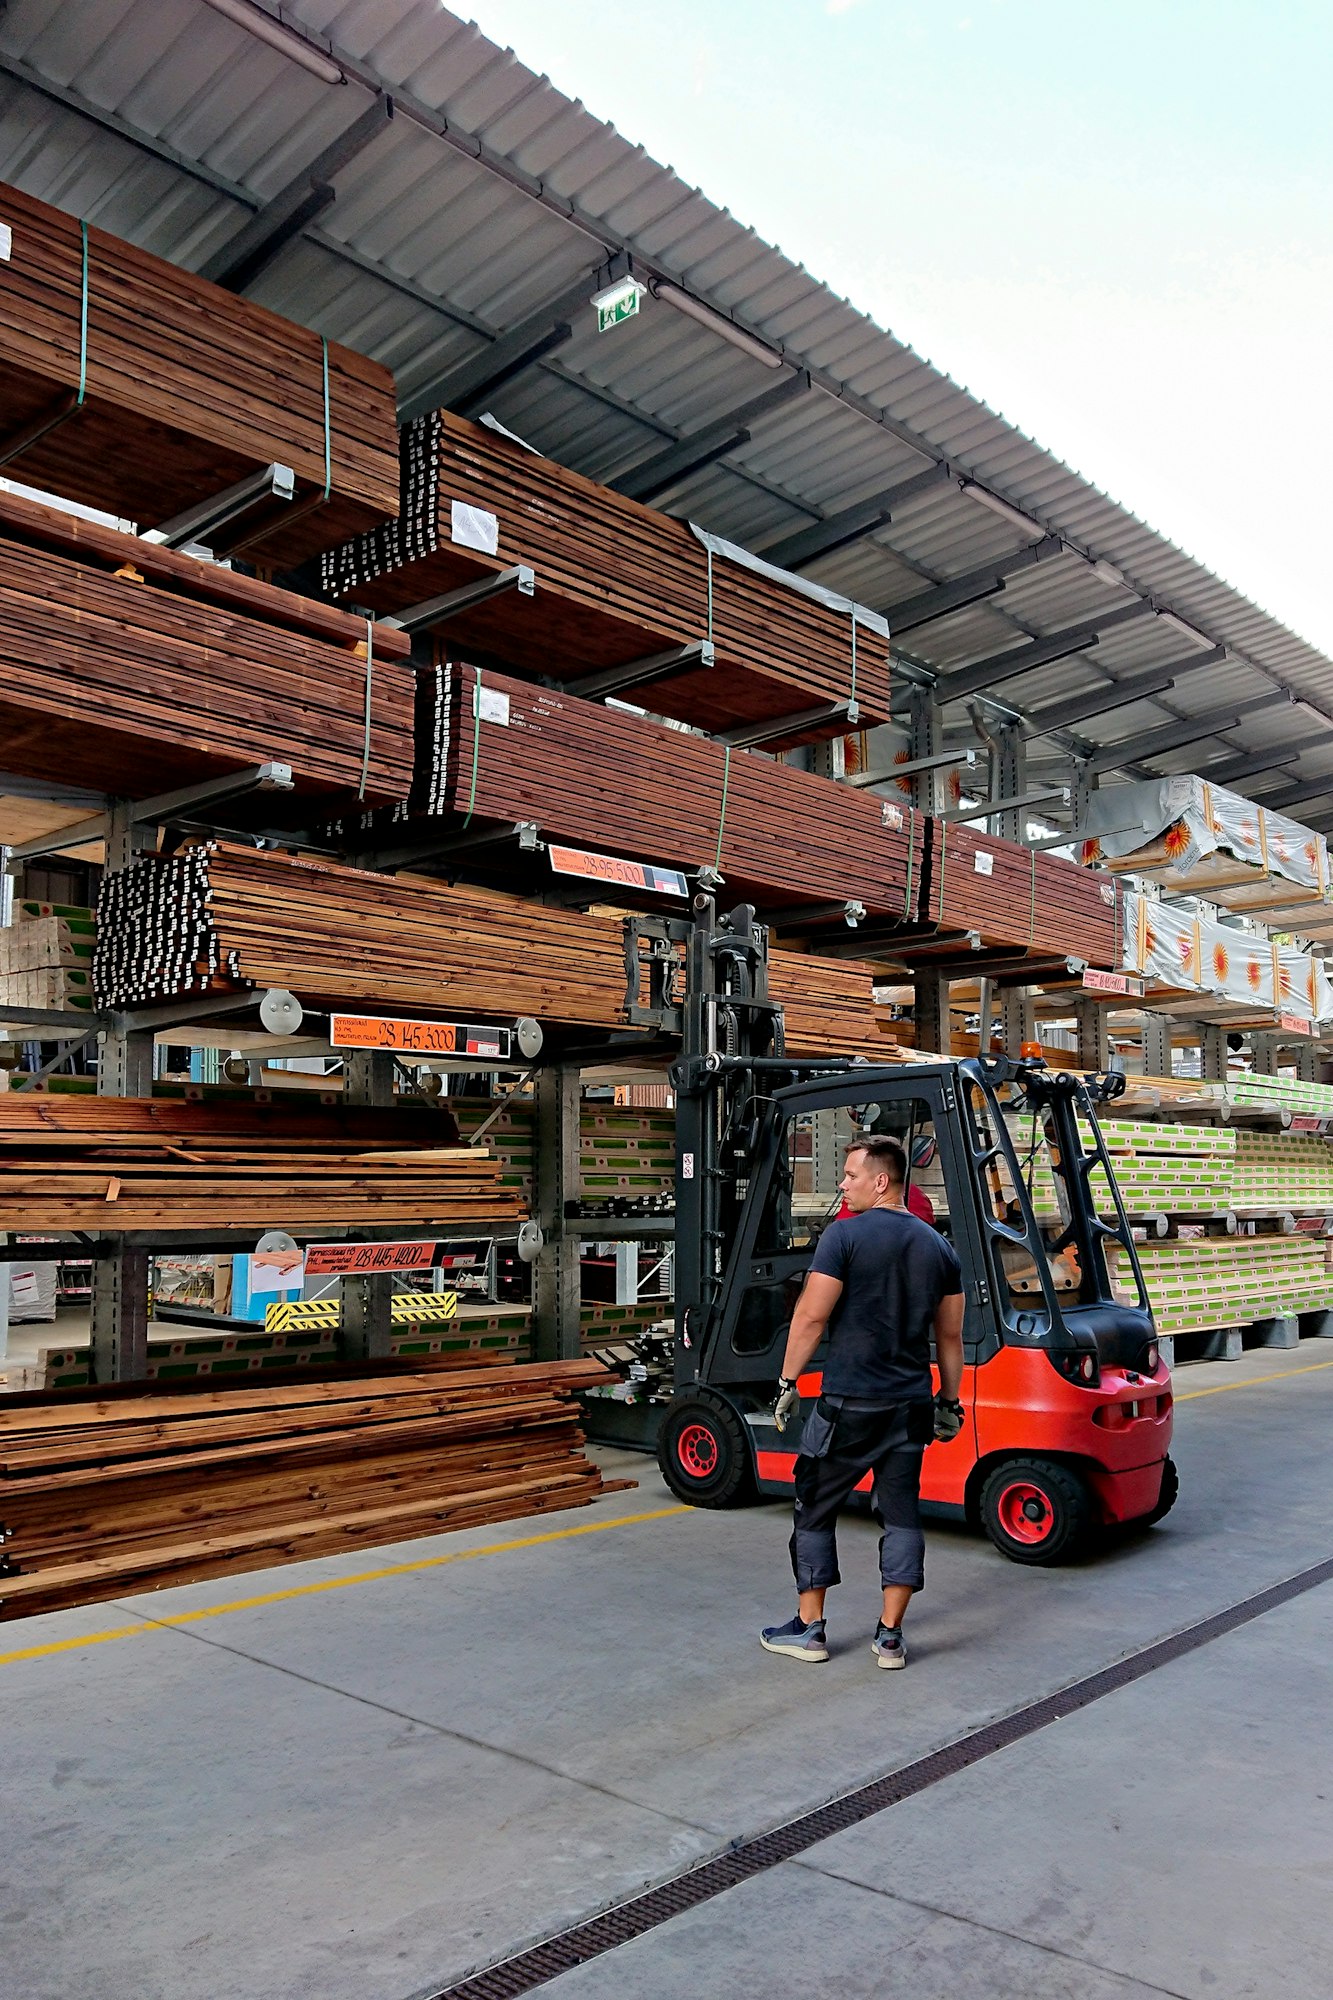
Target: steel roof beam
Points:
(794, 551)
(1248, 767)
(1118, 694)
(700, 448)
(1177, 735)
(466, 386)
(1296, 795)
(261, 239)
(1038, 652)
(961, 591)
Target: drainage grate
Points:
(527, 1970)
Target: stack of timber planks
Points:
(616, 581)
(126, 1163)
(1010, 895)
(102, 1494)
(490, 747)
(219, 918)
(179, 390)
(134, 668)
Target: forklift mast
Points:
(737, 1095)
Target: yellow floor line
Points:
(1254, 1381)
(333, 1583)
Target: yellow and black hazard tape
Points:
(316, 1315)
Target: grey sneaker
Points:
(888, 1647)
(796, 1639)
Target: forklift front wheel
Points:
(1035, 1510)
(704, 1453)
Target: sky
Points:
(1109, 220)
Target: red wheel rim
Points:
(1025, 1513)
(696, 1448)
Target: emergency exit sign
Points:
(617, 303)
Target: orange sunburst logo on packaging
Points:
(1177, 841)
(1221, 961)
(1092, 853)
(1253, 974)
(1149, 941)
(1185, 946)
(1284, 981)
(955, 788)
(903, 784)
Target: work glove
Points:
(786, 1402)
(948, 1419)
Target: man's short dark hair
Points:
(886, 1154)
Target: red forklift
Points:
(1068, 1403)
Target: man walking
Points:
(881, 1281)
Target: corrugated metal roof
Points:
(490, 194)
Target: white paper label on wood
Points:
(492, 706)
(687, 1166)
(6, 241)
(984, 864)
(474, 528)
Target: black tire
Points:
(1168, 1496)
(1035, 1510)
(704, 1453)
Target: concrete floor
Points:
(337, 1782)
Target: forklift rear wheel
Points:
(704, 1453)
(1035, 1510)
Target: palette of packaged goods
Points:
(1198, 839)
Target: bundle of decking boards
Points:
(133, 668)
(132, 385)
(216, 918)
(103, 1493)
(128, 1163)
(615, 582)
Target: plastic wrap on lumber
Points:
(145, 1490)
(490, 747)
(1012, 895)
(616, 581)
(98, 1163)
(132, 669)
(181, 389)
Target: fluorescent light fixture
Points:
(287, 43)
(1014, 515)
(1186, 630)
(1106, 572)
(716, 322)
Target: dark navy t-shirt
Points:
(894, 1270)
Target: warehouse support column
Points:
(1009, 778)
(120, 1278)
(367, 1315)
(1156, 1044)
(931, 1012)
(1263, 1050)
(924, 731)
(1213, 1058)
(1307, 1063)
(1094, 1043)
(557, 1323)
(1017, 1018)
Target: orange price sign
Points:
(422, 1038)
(342, 1260)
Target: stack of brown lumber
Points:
(616, 581)
(218, 918)
(187, 389)
(493, 748)
(1011, 895)
(99, 1163)
(131, 668)
(829, 1009)
(102, 1495)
